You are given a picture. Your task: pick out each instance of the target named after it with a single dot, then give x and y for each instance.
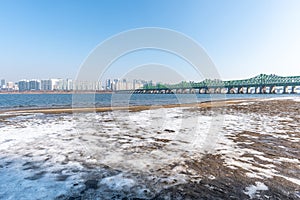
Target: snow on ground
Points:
(253, 190)
(49, 155)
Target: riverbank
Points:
(237, 149)
(207, 104)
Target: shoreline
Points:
(135, 108)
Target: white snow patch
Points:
(253, 190)
(264, 158)
(118, 182)
(16, 184)
(290, 160)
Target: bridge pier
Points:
(293, 90)
(231, 91)
(249, 90)
(273, 90)
(263, 90)
(206, 91)
(285, 90)
(203, 91)
(185, 91)
(211, 90)
(223, 90)
(217, 91)
(240, 90)
(257, 90)
(178, 91)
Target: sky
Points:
(52, 38)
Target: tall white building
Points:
(138, 84)
(69, 85)
(10, 86)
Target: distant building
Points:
(122, 85)
(138, 84)
(107, 84)
(114, 84)
(69, 85)
(3, 84)
(34, 85)
(10, 86)
(55, 84)
(16, 87)
(46, 85)
(23, 85)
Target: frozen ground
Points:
(247, 150)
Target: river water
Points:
(24, 101)
(248, 149)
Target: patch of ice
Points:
(277, 98)
(246, 103)
(26, 184)
(264, 158)
(253, 175)
(211, 177)
(118, 182)
(174, 180)
(253, 190)
(290, 160)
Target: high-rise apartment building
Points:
(10, 86)
(138, 84)
(46, 85)
(69, 84)
(23, 85)
(108, 84)
(3, 84)
(55, 84)
(34, 85)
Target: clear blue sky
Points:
(51, 38)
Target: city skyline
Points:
(243, 38)
(59, 84)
